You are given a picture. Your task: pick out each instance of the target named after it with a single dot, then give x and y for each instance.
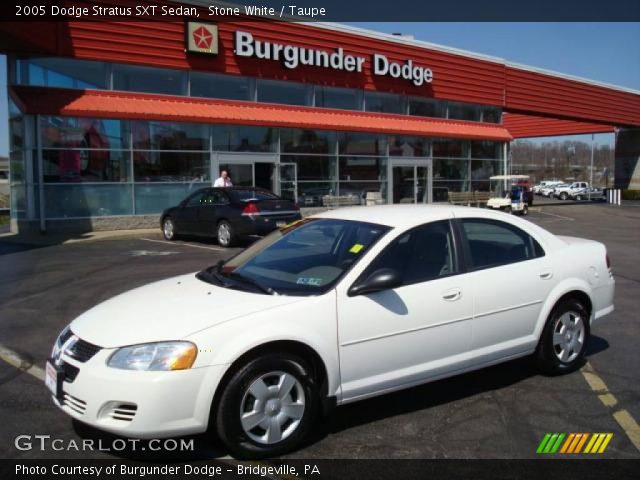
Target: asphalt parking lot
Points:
(499, 412)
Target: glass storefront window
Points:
(289, 93)
(310, 194)
(169, 136)
(213, 85)
(307, 141)
(363, 168)
(62, 72)
(450, 169)
(441, 189)
(69, 201)
(334, 97)
(384, 103)
(362, 143)
(238, 138)
(424, 107)
(154, 166)
(151, 198)
(312, 167)
(241, 175)
(359, 190)
(464, 111)
(486, 149)
(81, 132)
(483, 169)
(148, 79)
(491, 114)
(73, 166)
(409, 146)
(16, 127)
(450, 148)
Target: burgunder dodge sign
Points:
(203, 38)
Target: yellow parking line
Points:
(622, 416)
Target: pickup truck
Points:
(564, 192)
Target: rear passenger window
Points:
(493, 243)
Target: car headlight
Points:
(161, 356)
(62, 337)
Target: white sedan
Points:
(336, 308)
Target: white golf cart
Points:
(509, 193)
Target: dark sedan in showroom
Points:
(228, 214)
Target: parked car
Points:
(339, 307)
(547, 191)
(563, 192)
(227, 214)
(545, 184)
(592, 193)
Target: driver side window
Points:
(419, 255)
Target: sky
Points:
(606, 52)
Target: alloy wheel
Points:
(224, 234)
(568, 336)
(272, 407)
(168, 229)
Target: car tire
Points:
(507, 209)
(564, 196)
(525, 210)
(253, 389)
(169, 229)
(563, 343)
(579, 198)
(225, 234)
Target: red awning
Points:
(111, 104)
(524, 126)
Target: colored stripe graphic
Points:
(572, 443)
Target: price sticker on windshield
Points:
(356, 248)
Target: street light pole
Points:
(593, 140)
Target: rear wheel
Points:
(525, 209)
(225, 234)
(507, 209)
(563, 343)
(169, 229)
(579, 197)
(268, 406)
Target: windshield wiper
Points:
(251, 281)
(213, 272)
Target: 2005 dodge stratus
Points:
(338, 307)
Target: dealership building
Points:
(112, 122)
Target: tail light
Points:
(250, 209)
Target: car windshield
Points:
(306, 258)
(250, 194)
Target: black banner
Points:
(326, 10)
(582, 469)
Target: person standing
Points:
(223, 180)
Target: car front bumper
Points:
(139, 404)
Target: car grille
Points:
(82, 351)
(74, 403)
(70, 372)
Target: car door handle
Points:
(546, 275)
(452, 295)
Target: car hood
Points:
(168, 310)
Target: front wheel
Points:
(564, 338)
(225, 234)
(169, 229)
(564, 196)
(268, 406)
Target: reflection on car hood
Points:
(168, 310)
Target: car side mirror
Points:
(379, 280)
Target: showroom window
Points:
(486, 149)
(423, 107)
(63, 73)
(154, 166)
(307, 141)
(362, 143)
(148, 79)
(333, 97)
(82, 132)
(409, 146)
(238, 138)
(464, 111)
(229, 87)
(289, 93)
(450, 148)
(149, 135)
(384, 103)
